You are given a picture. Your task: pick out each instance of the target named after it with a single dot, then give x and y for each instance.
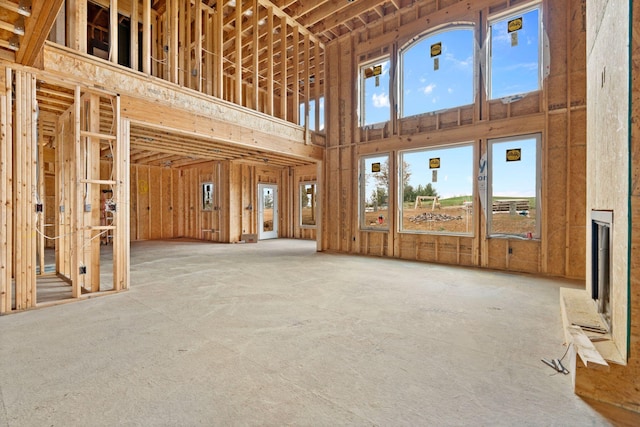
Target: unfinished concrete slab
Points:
(275, 333)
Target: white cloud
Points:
(450, 90)
(429, 89)
(380, 100)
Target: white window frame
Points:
(489, 207)
(513, 13)
(472, 172)
(421, 38)
(361, 91)
(362, 196)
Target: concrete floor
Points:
(276, 334)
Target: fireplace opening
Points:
(601, 224)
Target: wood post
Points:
(6, 193)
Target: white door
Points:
(267, 211)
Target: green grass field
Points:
(458, 200)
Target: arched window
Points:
(437, 71)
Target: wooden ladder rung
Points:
(97, 135)
(101, 227)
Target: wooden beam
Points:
(218, 74)
(134, 42)
(238, 53)
(37, 28)
(146, 37)
(113, 31)
(198, 49)
(255, 57)
(283, 68)
(172, 32)
(270, 76)
(6, 193)
(20, 9)
(295, 84)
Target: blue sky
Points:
(514, 70)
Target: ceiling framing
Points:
(312, 23)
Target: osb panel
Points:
(557, 135)
(525, 256)
(448, 249)
(578, 88)
(375, 243)
(576, 267)
(466, 115)
(530, 104)
(577, 42)
(497, 253)
(497, 110)
(332, 207)
(619, 386)
(167, 204)
(634, 351)
(426, 249)
(343, 220)
(556, 90)
(155, 202)
(133, 203)
(578, 182)
(555, 16)
(407, 246)
(556, 206)
(333, 119)
(448, 119)
(143, 202)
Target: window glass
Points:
(374, 192)
(437, 190)
(514, 186)
(308, 204)
(437, 72)
(374, 92)
(514, 54)
(207, 196)
(312, 114)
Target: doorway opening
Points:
(267, 211)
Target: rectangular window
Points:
(514, 186)
(308, 204)
(374, 192)
(437, 190)
(374, 92)
(207, 196)
(514, 53)
(312, 115)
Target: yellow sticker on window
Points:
(375, 167)
(436, 49)
(434, 163)
(514, 25)
(514, 155)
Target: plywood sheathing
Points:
(611, 158)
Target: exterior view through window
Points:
(437, 72)
(437, 190)
(374, 192)
(312, 115)
(374, 92)
(308, 204)
(514, 54)
(514, 186)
